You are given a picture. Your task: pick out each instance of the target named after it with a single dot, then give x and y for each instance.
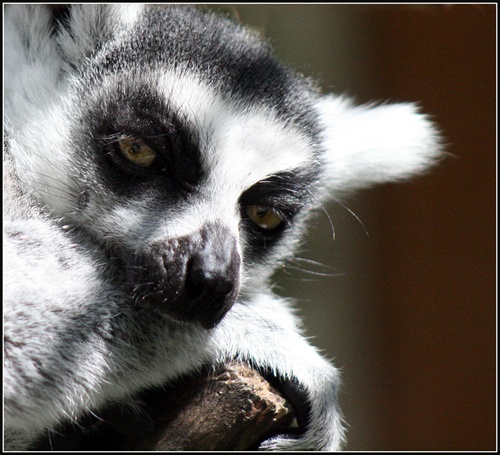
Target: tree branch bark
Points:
(232, 409)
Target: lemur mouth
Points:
(209, 312)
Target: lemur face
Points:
(186, 149)
(190, 175)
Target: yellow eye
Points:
(137, 151)
(264, 217)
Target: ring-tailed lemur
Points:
(159, 164)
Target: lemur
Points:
(159, 164)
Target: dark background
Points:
(412, 321)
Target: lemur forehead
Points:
(219, 50)
(237, 140)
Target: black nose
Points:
(211, 272)
(210, 284)
(207, 280)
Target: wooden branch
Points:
(233, 409)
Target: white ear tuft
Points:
(92, 25)
(366, 145)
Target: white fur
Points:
(368, 145)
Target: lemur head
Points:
(185, 148)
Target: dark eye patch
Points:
(286, 194)
(148, 122)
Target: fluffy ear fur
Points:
(90, 27)
(365, 145)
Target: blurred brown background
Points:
(412, 322)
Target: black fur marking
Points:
(60, 15)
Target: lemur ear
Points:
(365, 145)
(90, 25)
